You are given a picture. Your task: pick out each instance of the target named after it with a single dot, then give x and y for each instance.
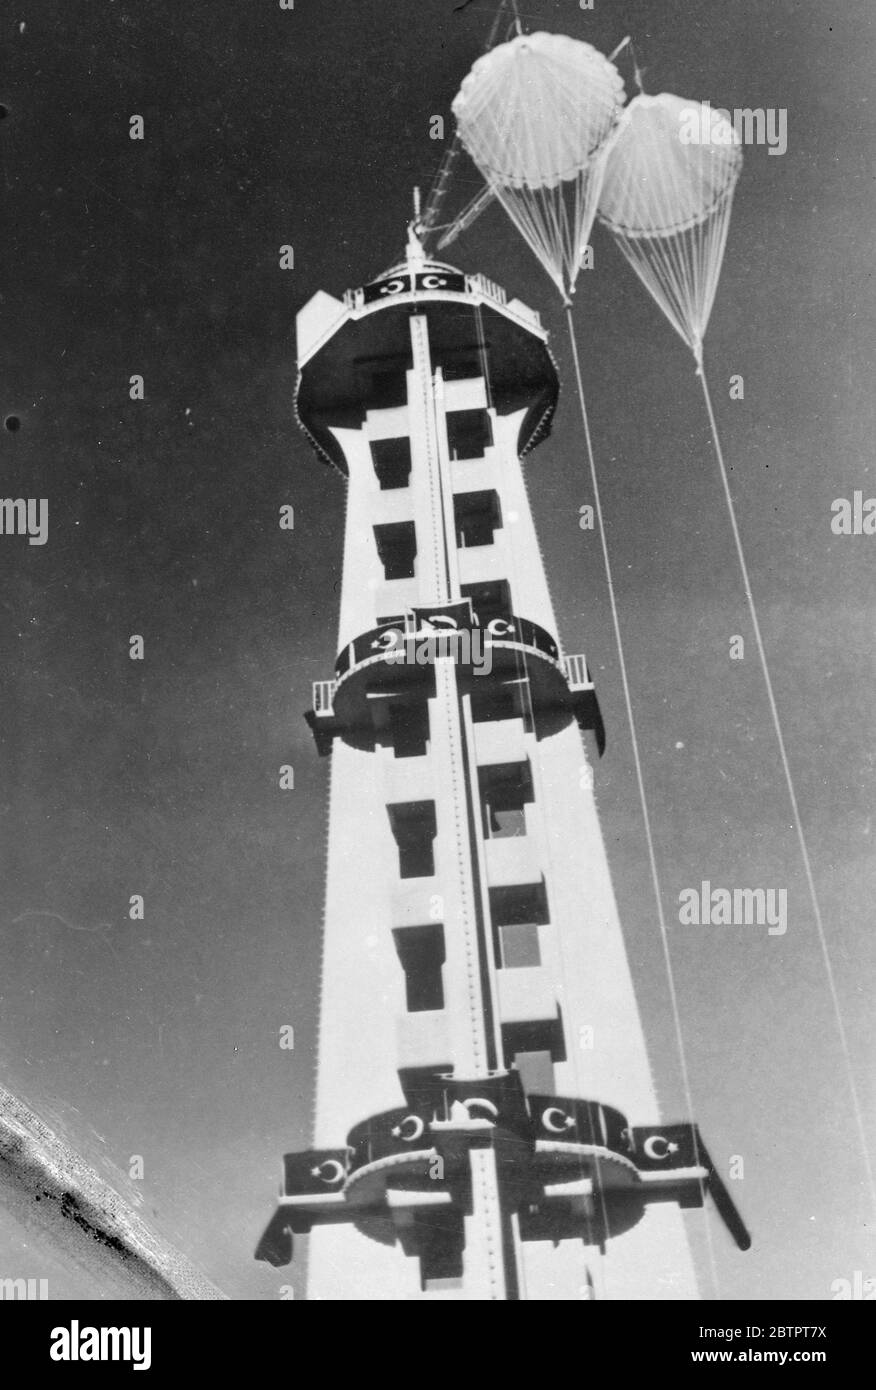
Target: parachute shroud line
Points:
(667, 201)
(792, 795)
(640, 778)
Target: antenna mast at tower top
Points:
(438, 192)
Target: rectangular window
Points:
(536, 1072)
(413, 825)
(421, 952)
(440, 1240)
(519, 946)
(409, 728)
(469, 433)
(505, 790)
(388, 391)
(489, 600)
(517, 912)
(382, 381)
(494, 699)
(397, 548)
(462, 364)
(477, 515)
(392, 462)
(542, 1036)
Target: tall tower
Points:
(486, 1124)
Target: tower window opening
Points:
(489, 600)
(505, 789)
(519, 945)
(462, 364)
(469, 432)
(539, 1036)
(441, 1244)
(414, 826)
(397, 548)
(409, 728)
(422, 954)
(383, 381)
(497, 700)
(536, 1072)
(517, 912)
(477, 515)
(392, 462)
(388, 390)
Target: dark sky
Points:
(310, 127)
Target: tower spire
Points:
(415, 254)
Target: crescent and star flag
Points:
(276, 1245)
(405, 1129)
(314, 1171)
(666, 1146)
(565, 1119)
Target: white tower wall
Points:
(562, 1005)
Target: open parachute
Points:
(667, 190)
(534, 114)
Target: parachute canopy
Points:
(534, 115)
(670, 174)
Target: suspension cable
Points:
(786, 767)
(438, 191)
(652, 857)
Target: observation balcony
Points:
(354, 352)
(569, 1167)
(509, 661)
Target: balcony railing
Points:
(400, 655)
(576, 672)
(323, 698)
(487, 287)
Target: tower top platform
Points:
(349, 348)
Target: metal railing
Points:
(576, 672)
(323, 698)
(487, 287)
